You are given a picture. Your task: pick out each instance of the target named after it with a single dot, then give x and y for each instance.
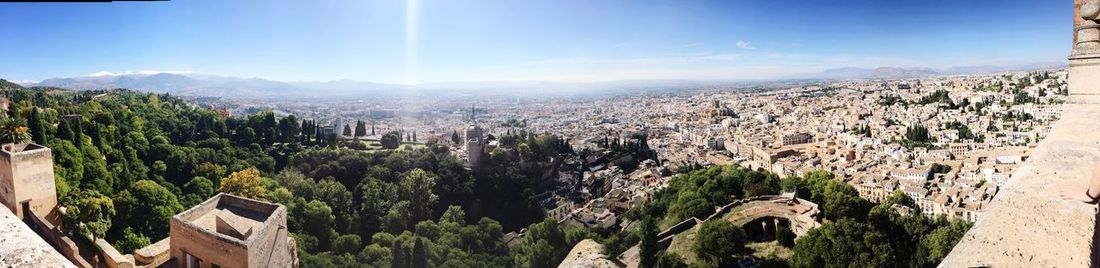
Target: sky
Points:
(429, 41)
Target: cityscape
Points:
(474, 145)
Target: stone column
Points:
(1084, 59)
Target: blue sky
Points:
(424, 41)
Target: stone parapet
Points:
(1028, 224)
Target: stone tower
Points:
(475, 145)
(27, 180)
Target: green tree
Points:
(391, 140)
(14, 130)
(147, 207)
(648, 247)
(416, 187)
(319, 217)
(844, 243)
(419, 254)
(399, 258)
(88, 212)
(37, 126)
(348, 243)
(718, 241)
(360, 128)
(131, 241)
(943, 239)
(667, 259)
(543, 246)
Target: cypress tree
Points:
(419, 254)
(399, 260)
(37, 127)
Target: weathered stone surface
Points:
(1029, 224)
(587, 253)
(21, 247)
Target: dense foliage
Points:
(856, 233)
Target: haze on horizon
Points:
(423, 41)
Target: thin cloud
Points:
(745, 45)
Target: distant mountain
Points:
(191, 84)
(1008, 68)
(899, 73)
(209, 85)
(876, 73)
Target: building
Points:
(27, 180)
(231, 231)
(475, 145)
(797, 138)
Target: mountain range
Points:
(221, 86)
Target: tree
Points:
(455, 138)
(399, 259)
(667, 259)
(718, 241)
(347, 130)
(416, 187)
(347, 244)
(360, 128)
(319, 217)
(391, 140)
(543, 246)
(245, 183)
(88, 213)
(844, 243)
(14, 131)
(37, 126)
(131, 241)
(943, 239)
(147, 207)
(648, 248)
(419, 254)
(197, 190)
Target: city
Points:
(549, 134)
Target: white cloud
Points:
(142, 72)
(745, 45)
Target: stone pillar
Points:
(1084, 59)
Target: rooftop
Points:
(231, 216)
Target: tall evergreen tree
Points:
(399, 259)
(37, 126)
(419, 254)
(360, 128)
(648, 249)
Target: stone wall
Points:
(1029, 223)
(21, 247)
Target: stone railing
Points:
(1028, 223)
